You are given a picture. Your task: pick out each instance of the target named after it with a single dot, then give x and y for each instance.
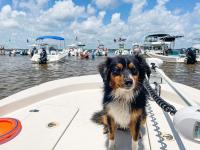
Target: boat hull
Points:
(50, 58)
(170, 58)
(167, 58)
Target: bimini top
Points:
(158, 35)
(50, 37)
(164, 37)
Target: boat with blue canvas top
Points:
(52, 51)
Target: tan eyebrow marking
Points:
(131, 65)
(119, 65)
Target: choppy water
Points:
(18, 73)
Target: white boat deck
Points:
(69, 104)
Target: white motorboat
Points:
(179, 58)
(71, 50)
(166, 58)
(54, 54)
(136, 49)
(75, 49)
(162, 46)
(121, 50)
(101, 50)
(56, 116)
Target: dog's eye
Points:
(133, 71)
(116, 71)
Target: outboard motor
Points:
(191, 56)
(43, 57)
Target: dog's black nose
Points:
(128, 82)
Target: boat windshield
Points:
(50, 49)
(176, 52)
(121, 46)
(101, 46)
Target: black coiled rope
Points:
(161, 102)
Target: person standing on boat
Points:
(93, 54)
(43, 57)
(137, 51)
(166, 51)
(106, 51)
(33, 51)
(14, 52)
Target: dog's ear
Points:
(104, 68)
(144, 65)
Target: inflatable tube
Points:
(9, 128)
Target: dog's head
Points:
(124, 72)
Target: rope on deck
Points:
(161, 102)
(163, 145)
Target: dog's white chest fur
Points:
(120, 113)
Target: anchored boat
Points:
(121, 50)
(101, 50)
(162, 46)
(56, 115)
(51, 51)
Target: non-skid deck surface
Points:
(74, 130)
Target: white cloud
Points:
(115, 29)
(162, 2)
(61, 11)
(138, 6)
(177, 11)
(41, 2)
(32, 6)
(10, 18)
(101, 4)
(90, 10)
(161, 20)
(31, 18)
(115, 18)
(91, 25)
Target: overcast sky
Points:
(93, 20)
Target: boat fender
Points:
(187, 122)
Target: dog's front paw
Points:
(134, 145)
(111, 145)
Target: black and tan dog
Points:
(124, 97)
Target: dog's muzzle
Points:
(128, 82)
